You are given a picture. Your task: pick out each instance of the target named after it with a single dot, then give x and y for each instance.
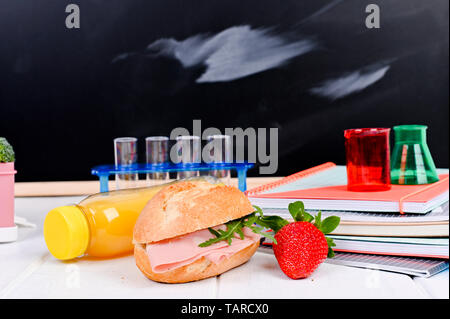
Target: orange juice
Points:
(100, 226)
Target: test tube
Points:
(157, 153)
(125, 155)
(219, 152)
(188, 152)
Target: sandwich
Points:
(193, 230)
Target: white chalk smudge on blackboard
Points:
(349, 83)
(234, 53)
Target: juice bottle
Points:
(100, 225)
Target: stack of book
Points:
(406, 222)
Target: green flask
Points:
(411, 161)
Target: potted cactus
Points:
(8, 230)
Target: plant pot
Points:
(8, 230)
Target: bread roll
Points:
(183, 208)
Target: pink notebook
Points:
(324, 188)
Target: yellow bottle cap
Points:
(66, 232)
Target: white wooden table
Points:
(27, 270)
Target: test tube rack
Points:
(104, 171)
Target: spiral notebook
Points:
(324, 187)
(420, 267)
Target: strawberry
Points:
(300, 247)
(300, 250)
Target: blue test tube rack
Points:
(104, 171)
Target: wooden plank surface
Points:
(77, 188)
(29, 271)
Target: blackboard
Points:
(66, 93)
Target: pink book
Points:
(324, 188)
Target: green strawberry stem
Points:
(297, 211)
